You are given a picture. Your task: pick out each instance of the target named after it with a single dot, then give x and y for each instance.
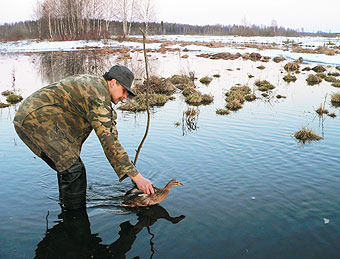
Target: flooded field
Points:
(251, 190)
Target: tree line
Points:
(100, 19)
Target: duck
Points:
(139, 199)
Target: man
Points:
(55, 121)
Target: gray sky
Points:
(296, 14)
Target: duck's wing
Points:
(134, 190)
(136, 200)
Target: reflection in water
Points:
(54, 66)
(72, 238)
(190, 120)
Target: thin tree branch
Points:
(147, 99)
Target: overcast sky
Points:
(296, 14)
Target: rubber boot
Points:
(72, 186)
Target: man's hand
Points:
(143, 184)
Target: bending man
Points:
(55, 121)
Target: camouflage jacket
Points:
(58, 118)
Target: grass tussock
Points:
(335, 99)
(14, 98)
(306, 135)
(194, 99)
(250, 97)
(336, 74)
(222, 111)
(157, 85)
(337, 67)
(189, 91)
(4, 105)
(321, 110)
(289, 78)
(138, 104)
(331, 79)
(291, 67)
(217, 75)
(319, 69)
(264, 85)
(261, 67)
(313, 80)
(206, 80)
(7, 93)
(234, 105)
(336, 83)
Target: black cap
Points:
(123, 75)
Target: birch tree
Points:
(147, 12)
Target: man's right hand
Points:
(143, 184)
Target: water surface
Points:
(250, 189)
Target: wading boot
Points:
(72, 186)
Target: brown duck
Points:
(139, 199)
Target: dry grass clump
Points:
(261, 67)
(331, 79)
(14, 98)
(235, 95)
(222, 111)
(244, 89)
(321, 110)
(333, 74)
(206, 80)
(291, 66)
(138, 104)
(336, 83)
(325, 50)
(319, 69)
(306, 69)
(189, 91)
(207, 98)
(194, 99)
(289, 78)
(132, 107)
(306, 135)
(7, 93)
(322, 75)
(180, 79)
(216, 75)
(250, 97)
(234, 105)
(4, 105)
(313, 79)
(154, 99)
(332, 115)
(264, 85)
(337, 67)
(335, 99)
(157, 85)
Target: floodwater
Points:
(250, 189)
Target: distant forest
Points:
(102, 29)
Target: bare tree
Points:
(147, 12)
(125, 12)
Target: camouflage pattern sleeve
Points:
(102, 119)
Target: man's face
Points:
(117, 91)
